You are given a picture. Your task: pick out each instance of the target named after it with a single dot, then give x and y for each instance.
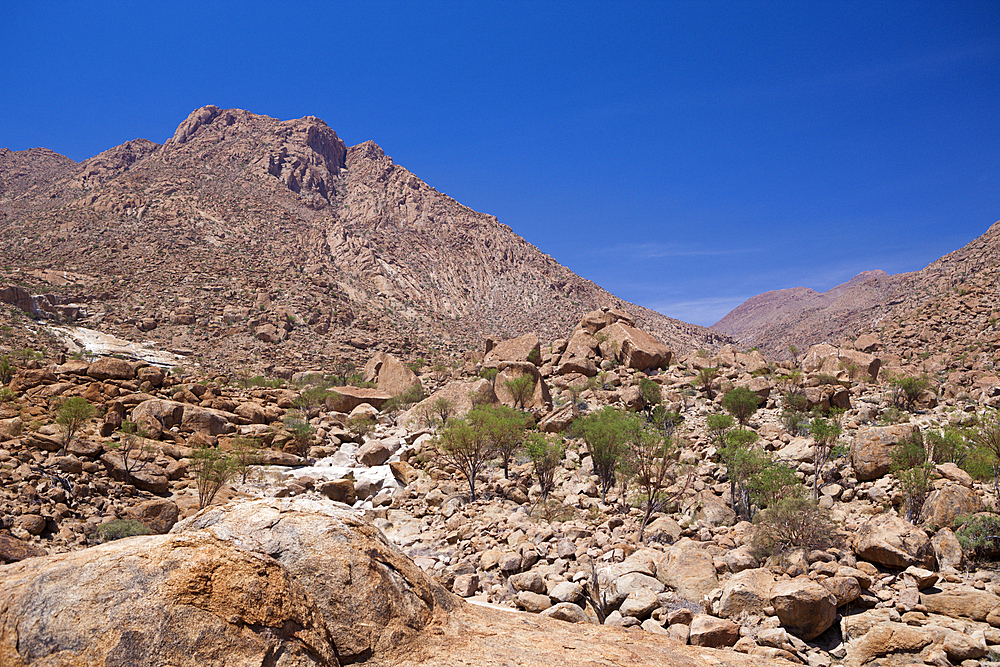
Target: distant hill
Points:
(873, 302)
(252, 241)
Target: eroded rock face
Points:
(805, 608)
(373, 597)
(186, 599)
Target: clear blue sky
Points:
(684, 155)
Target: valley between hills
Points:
(269, 399)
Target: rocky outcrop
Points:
(893, 542)
(871, 450)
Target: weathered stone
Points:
(345, 399)
(804, 607)
(157, 415)
(375, 453)
(528, 581)
(390, 375)
(639, 603)
(871, 450)
(947, 550)
(690, 571)
(636, 348)
(32, 523)
(844, 589)
(466, 585)
(532, 602)
(891, 541)
(13, 550)
(961, 602)
(712, 632)
(747, 591)
(566, 611)
(523, 348)
(111, 368)
(566, 591)
(158, 514)
(942, 506)
(339, 490)
(887, 638)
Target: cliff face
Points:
(251, 241)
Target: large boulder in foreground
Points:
(185, 599)
(804, 607)
(290, 583)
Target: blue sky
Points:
(686, 156)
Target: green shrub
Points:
(906, 389)
(503, 427)
(6, 370)
(71, 414)
(490, 374)
(301, 430)
(741, 403)
(545, 455)
(947, 445)
(521, 389)
(718, 426)
(825, 434)
(604, 431)
(212, 470)
(793, 523)
(706, 376)
(979, 536)
(121, 528)
(535, 356)
(414, 394)
(915, 472)
(986, 437)
(755, 479)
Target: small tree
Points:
(301, 430)
(442, 408)
(651, 396)
(986, 437)
(545, 455)
(741, 403)
(503, 426)
(6, 370)
(246, 454)
(71, 414)
(465, 447)
(650, 461)
(825, 434)
(521, 389)
(212, 471)
(719, 426)
(755, 478)
(361, 425)
(706, 376)
(132, 446)
(604, 433)
(490, 373)
(915, 472)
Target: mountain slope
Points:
(873, 302)
(244, 239)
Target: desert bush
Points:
(361, 425)
(906, 389)
(915, 472)
(651, 395)
(212, 471)
(979, 536)
(301, 430)
(465, 447)
(604, 431)
(545, 454)
(414, 394)
(489, 373)
(706, 376)
(825, 434)
(535, 357)
(504, 429)
(947, 445)
(986, 437)
(521, 389)
(117, 529)
(246, 454)
(741, 403)
(755, 479)
(6, 370)
(718, 426)
(650, 461)
(131, 446)
(792, 523)
(71, 414)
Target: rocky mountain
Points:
(874, 302)
(248, 241)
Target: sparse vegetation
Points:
(915, 472)
(741, 403)
(212, 471)
(792, 523)
(118, 529)
(71, 414)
